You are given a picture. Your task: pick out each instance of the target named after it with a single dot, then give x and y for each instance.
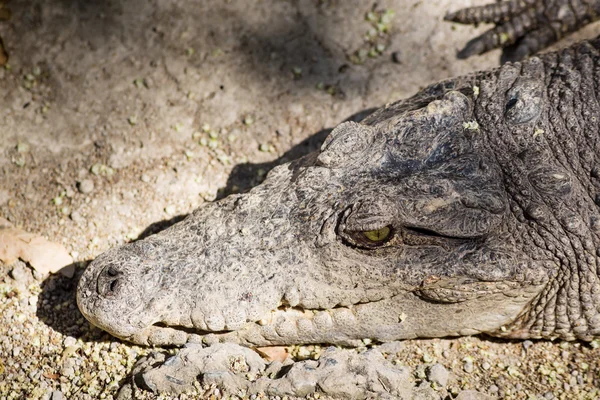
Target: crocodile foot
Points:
(523, 27)
(339, 373)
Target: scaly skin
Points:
(524, 27)
(488, 185)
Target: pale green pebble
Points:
(30, 77)
(231, 138)
(22, 147)
(512, 371)
(65, 210)
(371, 33)
(203, 141)
(132, 120)
(248, 120)
(544, 370)
(503, 38)
(213, 143)
(371, 16)
(387, 17)
(584, 366)
(170, 209)
(367, 341)
(264, 147)
(476, 90)
(538, 131)
(206, 128)
(189, 154)
(224, 159)
(140, 83)
(380, 48)
(57, 200)
(37, 71)
(196, 135)
(594, 344)
(373, 53)
(320, 86)
(213, 135)
(297, 71)
(178, 127)
(303, 352)
(427, 358)
(189, 52)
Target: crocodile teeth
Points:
(292, 297)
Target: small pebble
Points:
(20, 273)
(527, 344)
(468, 367)
(437, 373)
(77, 217)
(170, 209)
(486, 365)
(57, 395)
(69, 341)
(86, 186)
(68, 271)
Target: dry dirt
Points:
(117, 116)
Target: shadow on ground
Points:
(270, 42)
(57, 306)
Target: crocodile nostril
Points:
(112, 271)
(114, 285)
(109, 281)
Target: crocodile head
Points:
(400, 227)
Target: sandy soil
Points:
(116, 116)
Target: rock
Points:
(57, 395)
(77, 217)
(86, 186)
(438, 374)
(473, 395)
(468, 367)
(43, 255)
(425, 392)
(20, 272)
(527, 344)
(68, 271)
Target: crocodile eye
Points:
(372, 238)
(378, 235)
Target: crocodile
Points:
(471, 207)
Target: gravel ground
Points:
(118, 117)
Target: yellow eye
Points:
(377, 235)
